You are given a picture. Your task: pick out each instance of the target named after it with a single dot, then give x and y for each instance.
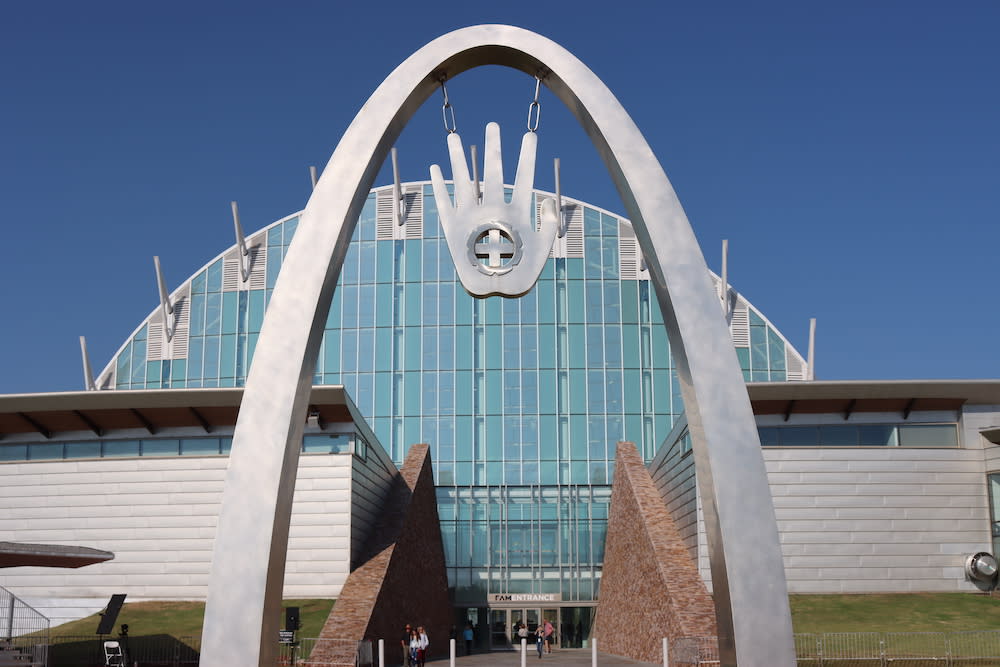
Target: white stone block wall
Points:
(158, 516)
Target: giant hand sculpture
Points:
(494, 245)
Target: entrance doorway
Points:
(571, 626)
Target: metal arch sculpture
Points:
(241, 616)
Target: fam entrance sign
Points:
(244, 600)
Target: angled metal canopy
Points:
(242, 614)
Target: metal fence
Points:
(153, 650)
(327, 653)
(866, 649)
(24, 632)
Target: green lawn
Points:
(184, 619)
(907, 612)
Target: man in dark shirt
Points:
(405, 643)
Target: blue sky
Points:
(849, 151)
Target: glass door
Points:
(499, 629)
(552, 616)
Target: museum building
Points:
(878, 486)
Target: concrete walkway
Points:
(558, 658)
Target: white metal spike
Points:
(88, 374)
(559, 206)
(811, 361)
(475, 173)
(397, 191)
(241, 242)
(313, 176)
(725, 276)
(165, 304)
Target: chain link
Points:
(535, 109)
(447, 111)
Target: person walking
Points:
(548, 630)
(468, 636)
(404, 642)
(423, 642)
(414, 648)
(540, 639)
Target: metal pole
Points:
(451, 662)
(381, 653)
(666, 652)
(524, 652)
(10, 619)
(593, 651)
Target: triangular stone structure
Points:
(650, 586)
(401, 579)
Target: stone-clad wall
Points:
(650, 587)
(402, 577)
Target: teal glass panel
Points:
(383, 305)
(178, 371)
(288, 232)
(463, 392)
(578, 391)
(494, 392)
(273, 265)
(591, 222)
(609, 259)
(198, 283)
(383, 394)
(384, 258)
(546, 346)
(349, 350)
(412, 303)
(153, 375)
(196, 321)
(411, 356)
(660, 347)
(383, 349)
(743, 355)
(334, 316)
(630, 350)
(430, 260)
(493, 309)
(366, 350)
(756, 319)
(413, 265)
(227, 357)
(158, 447)
(213, 314)
(83, 450)
(577, 338)
(274, 236)
(255, 317)
(229, 312)
(45, 451)
(411, 398)
(210, 366)
(214, 283)
(494, 438)
(116, 448)
(366, 306)
(366, 268)
(592, 256)
(464, 306)
(838, 436)
(776, 350)
(574, 268)
(546, 301)
(200, 446)
(877, 435)
(758, 348)
(138, 365)
(928, 435)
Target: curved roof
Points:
(741, 316)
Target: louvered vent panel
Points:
(179, 341)
(574, 232)
(258, 267)
(741, 326)
(154, 342)
(231, 275)
(796, 369)
(628, 250)
(383, 215)
(413, 203)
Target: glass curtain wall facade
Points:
(521, 400)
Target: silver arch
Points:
(244, 600)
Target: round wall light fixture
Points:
(981, 566)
